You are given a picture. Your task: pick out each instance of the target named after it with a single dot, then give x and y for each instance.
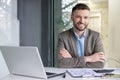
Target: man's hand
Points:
(100, 56)
(65, 53)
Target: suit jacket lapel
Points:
(86, 42)
(73, 43)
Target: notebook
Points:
(25, 61)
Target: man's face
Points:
(80, 19)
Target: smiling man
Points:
(80, 47)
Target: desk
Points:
(57, 70)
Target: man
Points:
(80, 47)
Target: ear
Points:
(71, 17)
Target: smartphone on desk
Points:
(104, 70)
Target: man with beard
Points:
(80, 47)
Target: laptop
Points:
(25, 61)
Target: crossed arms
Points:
(68, 56)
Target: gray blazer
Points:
(92, 45)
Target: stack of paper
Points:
(84, 73)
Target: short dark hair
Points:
(80, 6)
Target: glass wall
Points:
(9, 25)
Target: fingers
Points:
(65, 53)
(95, 57)
(101, 56)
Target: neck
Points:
(78, 32)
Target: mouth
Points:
(81, 25)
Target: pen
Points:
(64, 75)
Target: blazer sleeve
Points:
(97, 47)
(68, 62)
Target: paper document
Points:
(116, 71)
(84, 73)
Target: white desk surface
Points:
(57, 70)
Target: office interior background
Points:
(38, 23)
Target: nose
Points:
(82, 20)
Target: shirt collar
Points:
(82, 36)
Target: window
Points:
(9, 25)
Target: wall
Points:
(113, 57)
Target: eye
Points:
(78, 17)
(86, 17)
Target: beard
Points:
(78, 27)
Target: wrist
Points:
(86, 58)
